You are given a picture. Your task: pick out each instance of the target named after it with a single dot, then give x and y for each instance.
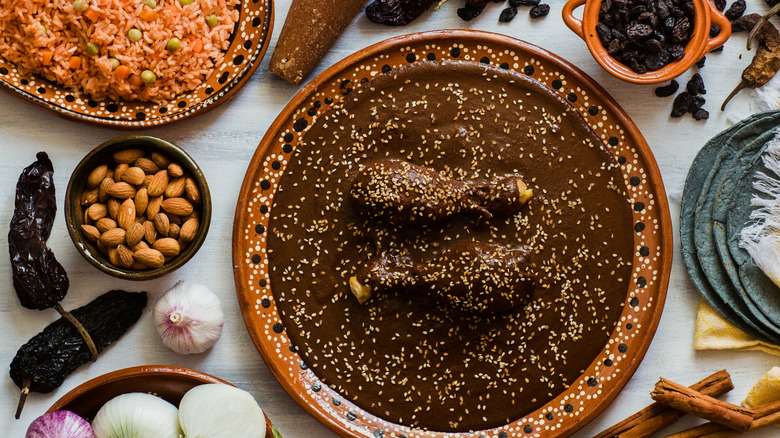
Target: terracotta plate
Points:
(167, 382)
(249, 42)
(652, 233)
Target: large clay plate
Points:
(248, 44)
(652, 233)
(167, 382)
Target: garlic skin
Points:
(216, 410)
(189, 318)
(137, 415)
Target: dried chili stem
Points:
(761, 23)
(82, 331)
(742, 84)
(23, 398)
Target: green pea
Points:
(92, 49)
(43, 30)
(173, 44)
(114, 63)
(212, 20)
(134, 35)
(148, 76)
(151, 3)
(186, 2)
(80, 5)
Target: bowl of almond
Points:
(137, 207)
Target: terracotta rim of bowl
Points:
(87, 249)
(699, 45)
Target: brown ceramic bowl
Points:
(167, 382)
(699, 45)
(74, 212)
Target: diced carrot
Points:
(75, 62)
(135, 80)
(92, 14)
(148, 15)
(197, 46)
(46, 56)
(122, 72)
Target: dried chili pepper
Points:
(39, 279)
(396, 12)
(42, 364)
(766, 61)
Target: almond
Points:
(192, 190)
(89, 197)
(173, 231)
(128, 156)
(174, 219)
(154, 207)
(121, 190)
(150, 233)
(96, 212)
(139, 245)
(162, 224)
(160, 160)
(167, 246)
(113, 207)
(103, 189)
(175, 170)
(119, 171)
(126, 258)
(134, 176)
(102, 248)
(126, 215)
(105, 224)
(158, 184)
(96, 176)
(177, 206)
(90, 233)
(149, 257)
(147, 180)
(141, 202)
(110, 174)
(113, 238)
(189, 230)
(134, 234)
(175, 188)
(113, 256)
(148, 166)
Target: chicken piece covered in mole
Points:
(473, 277)
(404, 193)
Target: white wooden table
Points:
(223, 141)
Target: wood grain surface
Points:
(223, 141)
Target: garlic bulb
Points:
(220, 411)
(137, 415)
(189, 318)
(59, 424)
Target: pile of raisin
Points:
(473, 8)
(689, 101)
(645, 35)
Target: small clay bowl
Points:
(103, 154)
(167, 382)
(699, 45)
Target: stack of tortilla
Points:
(715, 207)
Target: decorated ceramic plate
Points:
(248, 43)
(498, 317)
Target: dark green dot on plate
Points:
(549, 416)
(528, 69)
(629, 326)
(351, 416)
(223, 78)
(181, 104)
(502, 434)
(572, 97)
(639, 227)
(265, 184)
(431, 57)
(336, 401)
(41, 90)
(608, 362)
(24, 82)
(568, 407)
(378, 433)
(593, 381)
(248, 44)
(312, 111)
(3, 71)
(644, 251)
(557, 84)
(238, 60)
(266, 303)
(485, 60)
(140, 116)
(634, 180)
(292, 348)
(288, 137)
(641, 282)
(639, 206)
(316, 386)
(259, 229)
(317, 104)
(455, 52)
(328, 100)
(256, 258)
(256, 22)
(91, 103)
(634, 302)
(303, 365)
(504, 65)
(411, 57)
(622, 160)
(593, 110)
(162, 110)
(209, 90)
(112, 107)
(278, 327)
(276, 165)
(300, 124)
(622, 348)
(263, 209)
(287, 148)
(613, 141)
(70, 98)
(262, 282)
(528, 428)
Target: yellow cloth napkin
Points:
(766, 390)
(715, 333)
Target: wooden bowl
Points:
(248, 44)
(74, 216)
(167, 382)
(610, 369)
(699, 45)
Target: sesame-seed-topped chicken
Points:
(472, 277)
(405, 193)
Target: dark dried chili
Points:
(42, 364)
(766, 61)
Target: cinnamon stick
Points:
(763, 415)
(695, 403)
(657, 416)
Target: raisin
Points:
(657, 61)
(696, 103)
(614, 47)
(517, 3)
(654, 46)
(667, 90)
(714, 31)
(539, 10)
(638, 32)
(696, 85)
(719, 4)
(735, 10)
(507, 14)
(469, 12)
(677, 52)
(606, 5)
(605, 35)
(701, 114)
(681, 104)
(700, 63)
(396, 12)
(681, 30)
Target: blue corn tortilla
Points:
(713, 168)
